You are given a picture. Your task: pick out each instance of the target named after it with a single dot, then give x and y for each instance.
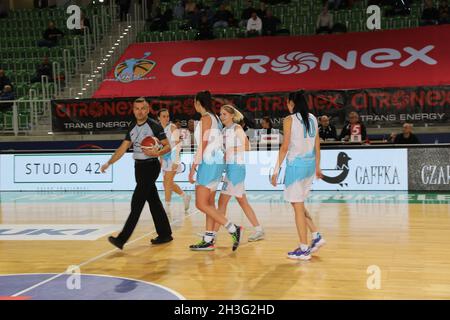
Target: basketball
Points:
(150, 142)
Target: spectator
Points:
(430, 15)
(247, 13)
(190, 8)
(50, 36)
(407, 137)
(124, 8)
(204, 29)
(326, 130)
(191, 128)
(159, 22)
(194, 18)
(223, 17)
(178, 11)
(350, 124)
(168, 14)
(443, 12)
(209, 12)
(4, 80)
(6, 94)
(270, 24)
(266, 124)
(254, 25)
(262, 11)
(44, 69)
(324, 21)
(84, 24)
(267, 128)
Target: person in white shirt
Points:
(254, 25)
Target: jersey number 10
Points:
(312, 130)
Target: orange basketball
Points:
(149, 142)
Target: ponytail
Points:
(300, 106)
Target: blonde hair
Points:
(237, 115)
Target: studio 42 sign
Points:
(60, 168)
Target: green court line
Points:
(253, 196)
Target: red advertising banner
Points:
(376, 107)
(381, 59)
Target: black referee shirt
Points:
(136, 133)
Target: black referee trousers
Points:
(146, 173)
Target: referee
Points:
(146, 171)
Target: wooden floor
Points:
(409, 242)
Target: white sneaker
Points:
(257, 235)
(187, 201)
(299, 254)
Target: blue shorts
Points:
(210, 175)
(234, 180)
(297, 182)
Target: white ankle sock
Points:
(304, 247)
(209, 236)
(315, 235)
(230, 227)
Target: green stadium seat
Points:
(191, 34)
(180, 35)
(7, 121)
(168, 36)
(24, 122)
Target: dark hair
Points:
(205, 99)
(300, 106)
(267, 119)
(141, 100)
(162, 110)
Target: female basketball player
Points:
(301, 144)
(236, 143)
(209, 160)
(170, 162)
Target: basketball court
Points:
(47, 238)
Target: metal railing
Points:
(125, 34)
(23, 115)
